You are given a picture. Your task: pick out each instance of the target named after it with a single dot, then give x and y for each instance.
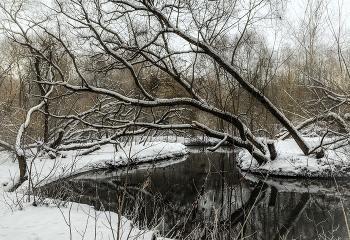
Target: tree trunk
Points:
(46, 123)
(266, 103)
(245, 84)
(22, 167)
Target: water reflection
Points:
(190, 197)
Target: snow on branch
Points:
(86, 145)
(90, 150)
(237, 142)
(212, 149)
(6, 146)
(331, 116)
(19, 151)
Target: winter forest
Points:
(174, 119)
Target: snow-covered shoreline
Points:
(19, 219)
(45, 170)
(291, 162)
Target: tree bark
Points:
(22, 166)
(59, 139)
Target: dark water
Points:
(190, 197)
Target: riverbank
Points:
(291, 162)
(51, 219)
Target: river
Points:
(189, 197)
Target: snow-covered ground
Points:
(19, 219)
(292, 162)
(73, 221)
(45, 170)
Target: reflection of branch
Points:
(260, 189)
(294, 216)
(239, 214)
(194, 208)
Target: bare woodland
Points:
(97, 71)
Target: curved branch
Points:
(171, 28)
(19, 151)
(212, 149)
(243, 130)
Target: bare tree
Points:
(127, 55)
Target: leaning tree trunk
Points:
(251, 89)
(210, 51)
(18, 148)
(20, 154)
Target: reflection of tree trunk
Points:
(294, 216)
(238, 215)
(222, 183)
(273, 196)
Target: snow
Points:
(50, 219)
(51, 222)
(292, 162)
(45, 170)
(131, 170)
(19, 219)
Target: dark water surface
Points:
(191, 197)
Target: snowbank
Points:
(19, 219)
(45, 170)
(291, 161)
(72, 221)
